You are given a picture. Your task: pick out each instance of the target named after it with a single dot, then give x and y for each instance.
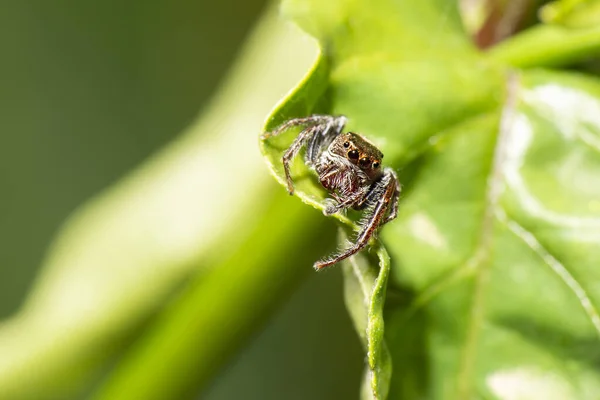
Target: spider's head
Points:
(360, 152)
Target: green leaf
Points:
(342, 81)
(498, 241)
(494, 286)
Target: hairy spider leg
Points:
(312, 120)
(394, 211)
(320, 131)
(389, 187)
(324, 138)
(292, 151)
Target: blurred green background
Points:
(90, 90)
(148, 114)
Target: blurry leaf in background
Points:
(496, 240)
(121, 256)
(292, 359)
(89, 90)
(572, 13)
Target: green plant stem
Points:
(209, 322)
(548, 46)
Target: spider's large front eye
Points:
(353, 154)
(364, 162)
(375, 165)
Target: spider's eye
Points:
(364, 162)
(346, 144)
(375, 165)
(353, 154)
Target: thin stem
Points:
(548, 46)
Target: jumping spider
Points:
(349, 167)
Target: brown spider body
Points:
(349, 168)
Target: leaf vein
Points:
(481, 256)
(557, 267)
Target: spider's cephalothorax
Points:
(349, 167)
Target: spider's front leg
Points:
(395, 198)
(320, 131)
(384, 194)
